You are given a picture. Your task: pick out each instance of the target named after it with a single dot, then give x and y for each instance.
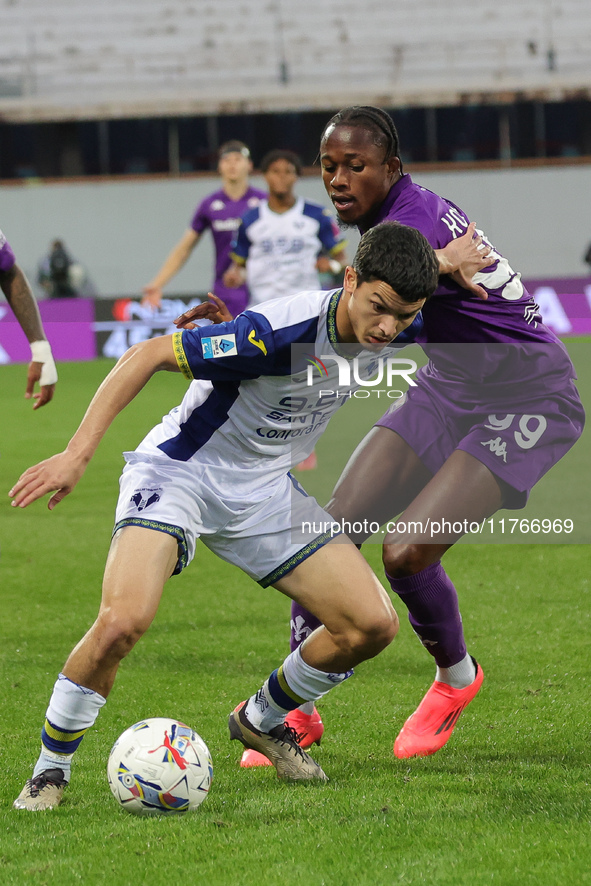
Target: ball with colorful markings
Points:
(160, 767)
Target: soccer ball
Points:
(159, 767)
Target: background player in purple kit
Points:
(221, 212)
(20, 297)
(496, 408)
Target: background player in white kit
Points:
(277, 250)
(283, 243)
(218, 467)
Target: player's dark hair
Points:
(279, 154)
(399, 256)
(375, 120)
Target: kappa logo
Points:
(532, 314)
(142, 501)
(219, 346)
(498, 446)
(257, 342)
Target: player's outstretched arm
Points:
(463, 257)
(19, 296)
(172, 265)
(60, 474)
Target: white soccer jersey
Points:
(217, 467)
(280, 249)
(261, 399)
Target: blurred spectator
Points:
(61, 276)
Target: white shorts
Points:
(266, 537)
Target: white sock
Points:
(459, 675)
(72, 710)
(308, 707)
(307, 682)
(262, 713)
(293, 685)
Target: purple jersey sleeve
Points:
(7, 258)
(519, 347)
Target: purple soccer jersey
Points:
(222, 216)
(7, 259)
(498, 386)
(453, 314)
(499, 382)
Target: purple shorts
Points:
(517, 447)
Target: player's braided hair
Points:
(375, 120)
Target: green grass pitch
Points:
(506, 802)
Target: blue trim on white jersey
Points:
(327, 232)
(241, 404)
(259, 349)
(253, 340)
(242, 243)
(249, 217)
(203, 422)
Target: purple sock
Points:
(302, 624)
(433, 612)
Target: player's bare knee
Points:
(390, 629)
(402, 560)
(379, 635)
(118, 633)
(366, 640)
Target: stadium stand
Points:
(74, 59)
